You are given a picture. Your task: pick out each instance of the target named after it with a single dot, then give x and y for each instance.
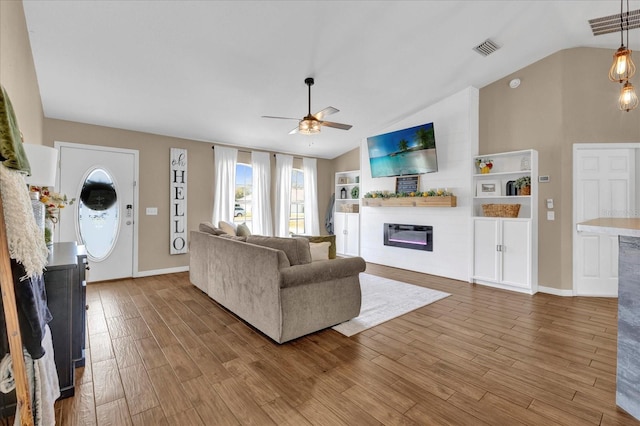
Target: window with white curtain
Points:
(296, 212)
(244, 189)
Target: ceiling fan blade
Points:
(294, 131)
(280, 118)
(327, 111)
(336, 125)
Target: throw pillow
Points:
(209, 228)
(243, 230)
(320, 239)
(228, 228)
(319, 251)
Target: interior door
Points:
(102, 180)
(604, 188)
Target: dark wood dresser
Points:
(65, 282)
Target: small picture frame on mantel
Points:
(343, 180)
(407, 184)
(488, 188)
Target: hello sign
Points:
(178, 201)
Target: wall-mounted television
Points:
(409, 151)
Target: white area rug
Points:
(384, 299)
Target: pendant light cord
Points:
(627, 24)
(621, 26)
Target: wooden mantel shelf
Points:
(435, 201)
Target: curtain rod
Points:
(239, 150)
(249, 152)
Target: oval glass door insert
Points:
(98, 214)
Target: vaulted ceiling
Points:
(209, 70)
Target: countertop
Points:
(628, 227)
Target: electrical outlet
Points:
(549, 203)
(152, 211)
(551, 215)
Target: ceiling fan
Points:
(311, 123)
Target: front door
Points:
(604, 187)
(102, 180)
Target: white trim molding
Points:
(153, 272)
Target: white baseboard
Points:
(162, 271)
(555, 291)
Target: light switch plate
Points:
(551, 215)
(152, 211)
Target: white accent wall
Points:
(455, 121)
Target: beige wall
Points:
(17, 71)
(563, 99)
(153, 231)
(344, 163)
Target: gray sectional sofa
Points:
(272, 284)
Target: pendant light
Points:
(623, 67)
(628, 99)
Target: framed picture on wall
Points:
(488, 188)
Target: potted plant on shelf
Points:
(484, 165)
(523, 184)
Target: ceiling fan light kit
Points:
(309, 126)
(311, 123)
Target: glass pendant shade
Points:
(309, 127)
(623, 67)
(628, 99)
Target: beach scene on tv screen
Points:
(409, 151)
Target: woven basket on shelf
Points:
(500, 210)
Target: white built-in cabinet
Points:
(502, 249)
(347, 230)
(505, 249)
(346, 217)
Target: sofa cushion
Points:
(242, 230)
(234, 237)
(228, 228)
(319, 251)
(210, 229)
(296, 249)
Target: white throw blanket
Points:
(44, 387)
(25, 239)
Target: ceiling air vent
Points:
(487, 47)
(613, 23)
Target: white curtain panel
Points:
(261, 220)
(225, 160)
(284, 168)
(311, 218)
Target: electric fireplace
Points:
(416, 237)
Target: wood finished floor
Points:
(160, 352)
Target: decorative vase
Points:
(48, 232)
(38, 209)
